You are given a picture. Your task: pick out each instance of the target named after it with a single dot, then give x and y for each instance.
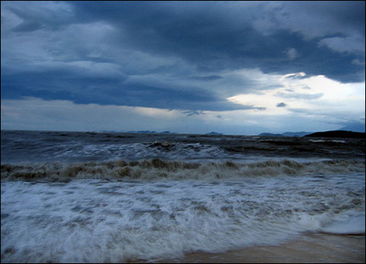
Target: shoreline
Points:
(310, 248)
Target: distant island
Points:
(214, 134)
(148, 132)
(338, 133)
(286, 134)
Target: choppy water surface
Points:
(20, 146)
(90, 197)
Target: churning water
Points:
(99, 197)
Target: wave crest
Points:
(154, 169)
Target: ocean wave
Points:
(154, 169)
(81, 151)
(69, 147)
(91, 220)
(346, 224)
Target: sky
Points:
(184, 66)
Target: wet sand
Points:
(312, 248)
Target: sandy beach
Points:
(312, 248)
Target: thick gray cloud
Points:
(173, 54)
(228, 35)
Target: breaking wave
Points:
(350, 224)
(91, 220)
(154, 169)
(90, 197)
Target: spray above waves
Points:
(155, 169)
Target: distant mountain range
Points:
(286, 134)
(334, 133)
(354, 126)
(214, 134)
(149, 132)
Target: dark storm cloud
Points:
(207, 78)
(206, 35)
(282, 104)
(192, 113)
(172, 54)
(84, 90)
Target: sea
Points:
(130, 197)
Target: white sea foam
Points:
(347, 223)
(112, 221)
(134, 151)
(328, 140)
(111, 198)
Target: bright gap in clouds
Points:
(312, 96)
(299, 103)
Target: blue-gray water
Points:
(33, 146)
(112, 197)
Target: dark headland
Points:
(338, 133)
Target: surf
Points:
(155, 169)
